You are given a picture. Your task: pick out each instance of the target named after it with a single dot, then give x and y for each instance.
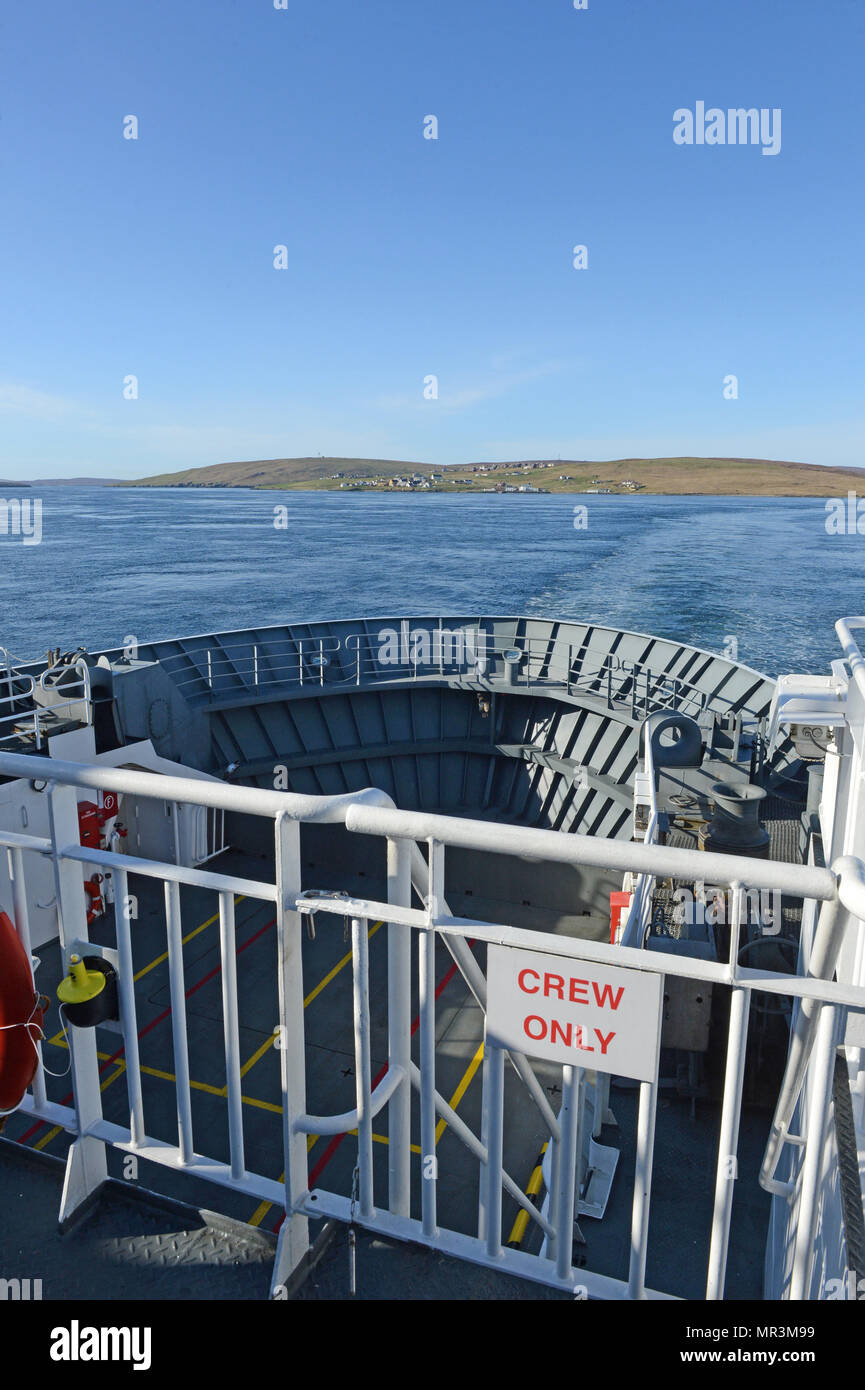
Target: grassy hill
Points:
(270, 473)
(686, 476)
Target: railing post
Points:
(426, 989)
(86, 1165)
(483, 1183)
(728, 1143)
(569, 1120)
(426, 983)
(363, 1067)
(294, 1233)
(22, 926)
(128, 1013)
(230, 1024)
(493, 1104)
(818, 1097)
(399, 1028)
(642, 1188)
(8, 662)
(178, 1020)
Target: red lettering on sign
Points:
(577, 990)
(606, 994)
(566, 1034)
(525, 988)
(554, 984)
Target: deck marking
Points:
(262, 1210)
(58, 1129)
(336, 969)
(338, 1138)
(58, 1041)
(264, 1207)
(142, 1032)
(461, 1089)
(340, 965)
(221, 1091)
(159, 959)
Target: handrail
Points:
(372, 812)
(279, 806)
(36, 712)
(375, 808)
(827, 943)
(543, 661)
(824, 954)
(349, 1119)
(852, 653)
(634, 930)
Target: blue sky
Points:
(409, 257)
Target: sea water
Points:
(759, 577)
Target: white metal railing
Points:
(639, 917)
(432, 653)
(836, 706)
(371, 813)
(26, 714)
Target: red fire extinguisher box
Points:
(88, 824)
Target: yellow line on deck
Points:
(313, 994)
(58, 1039)
(461, 1089)
(209, 923)
(58, 1129)
(262, 1210)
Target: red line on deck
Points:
(142, 1032)
(338, 1138)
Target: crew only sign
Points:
(595, 1016)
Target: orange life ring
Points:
(20, 1018)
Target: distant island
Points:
(64, 482)
(710, 477)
